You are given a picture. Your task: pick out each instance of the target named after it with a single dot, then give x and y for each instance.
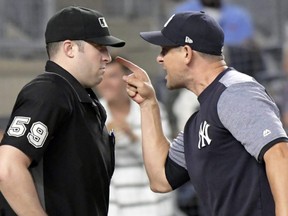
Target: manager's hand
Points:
(139, 86)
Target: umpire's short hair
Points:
(53, 48)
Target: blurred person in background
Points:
(130, 191)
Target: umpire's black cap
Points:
(79, 23)
(194, 28)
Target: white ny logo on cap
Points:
(102, 22)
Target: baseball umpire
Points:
(57, 157)
(234, 149)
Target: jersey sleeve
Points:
(39, 110)
(175, 167)
(252, 117)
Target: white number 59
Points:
(38, 132)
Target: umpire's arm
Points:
(16, 183)
(276, 161)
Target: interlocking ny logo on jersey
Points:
(204, 138)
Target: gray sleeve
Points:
(250, 115)
(176, 151)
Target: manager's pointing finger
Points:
(138, 71)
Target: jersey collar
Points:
(210, 88)
(84, 95)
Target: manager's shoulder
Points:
(233, 77)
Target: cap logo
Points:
(102, 22)
(188, 40)
(169, 20)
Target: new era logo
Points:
(266, 132)
(188, 40)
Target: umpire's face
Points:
(92, 60)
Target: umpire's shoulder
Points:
(46, 87)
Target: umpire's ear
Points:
(69, 47)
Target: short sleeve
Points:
(176, 151)
(251, 116)
(39, 110)
(175, 167)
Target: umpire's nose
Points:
(106, 55)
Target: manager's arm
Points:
(276, 162)
(16, 183)
(155, 145)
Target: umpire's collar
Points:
(82, 93)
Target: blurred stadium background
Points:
(22, 25)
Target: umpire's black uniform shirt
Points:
(60, 126)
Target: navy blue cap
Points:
(196, 29)
(79, 23)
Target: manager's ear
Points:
(188, 53)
